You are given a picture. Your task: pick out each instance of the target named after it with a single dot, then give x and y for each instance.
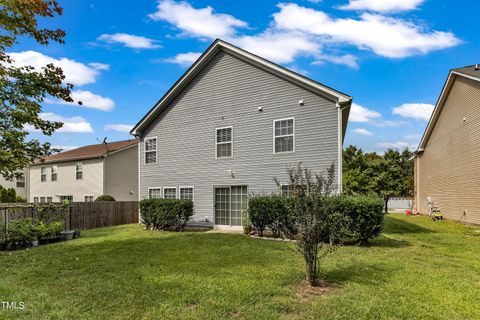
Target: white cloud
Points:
(359, 113)
(202, 22)
(99, 66)
(397, 145)
(184, 59)
(64, 148)
(118, 127)
(417, 111)
(386, 36)
(279, 47)
(75, 72)
(88, 99)
(413, 136)
(362, 132)
(72, 124)
(382, 5)
(347, 59)
(129, 40)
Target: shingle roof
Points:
(472, 71)
(87, 152)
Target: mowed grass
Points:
(417, 269)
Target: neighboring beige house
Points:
(447, 162)
(19, 184)
(87, 172)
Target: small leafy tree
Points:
(24, 89)
(318, 229)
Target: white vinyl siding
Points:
(170, 193)
(224, 142)
(150, 150)
(186, 193)
(154, 193)
(284, 135)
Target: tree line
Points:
(384, 175)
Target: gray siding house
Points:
(230, 125)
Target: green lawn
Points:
(416, 269)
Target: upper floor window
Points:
(54, 173)
(224, 142)
(154, 193)
(150, 150)
(186, 193)
(43, 174)
(170, 193)
(284, 135)
(79, 171)
(20, 182)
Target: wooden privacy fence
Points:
(77, 215)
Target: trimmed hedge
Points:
(163, 214)
(361, 216)
(271, 212)
(365, 215)
(105, 197)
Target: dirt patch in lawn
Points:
(305, 291)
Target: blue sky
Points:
(392, 56)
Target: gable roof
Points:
(471, 72)
(89, 152)
(212, 50)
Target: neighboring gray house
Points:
(232, 123)
(20, 184)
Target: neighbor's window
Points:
(88, 198)
(170, 193)
(35, 199)
(287, 190)
(43, 174)
(150, 150)
(20, 182)
(284, 135)
(66, 198)
(223, 142)
(186, 193)
(42, 199)
(49, 200)
(154, 193)
(54, 173)
(79, 171)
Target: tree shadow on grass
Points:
(360, 272)
(386, 242)
(399, 226)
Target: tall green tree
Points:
(23, 89)
(386, 176)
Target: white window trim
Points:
(293, 135)
(150, 188)
(145, 151)
(185, 187)
(176, 192)
(56, 172)
(217, 143)
(41, 174)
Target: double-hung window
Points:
(154, 193)
(88, 198)
(20, 182)
(287, 190)
(43, 174)
(150, 150)
(186, 193)
(170, 193)
(224, 142)
(54, 173)
(49, 199)
(284, 135)
(35, 199)
(79, 171)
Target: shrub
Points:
(260, 211)
(24, 230)
(7, 195)
(53, 229)
(365, 215)
(162, 214)
(105, 197)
